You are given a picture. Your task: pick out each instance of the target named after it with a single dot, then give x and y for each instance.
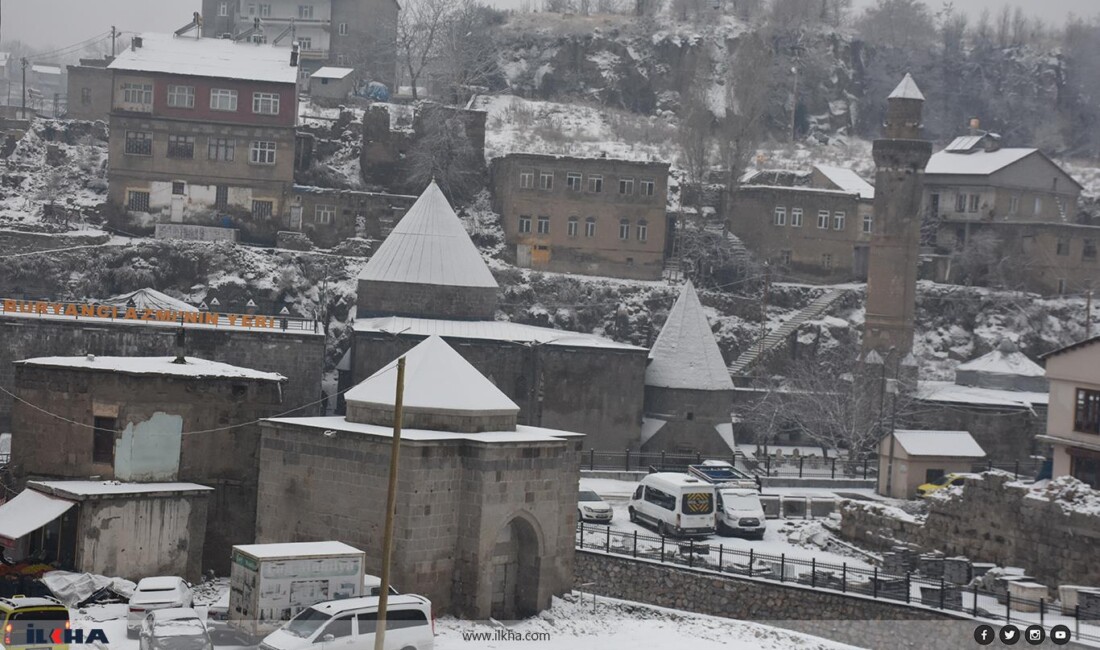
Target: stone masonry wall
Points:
(426, 301)
(992, 520)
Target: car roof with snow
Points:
(676, 478)
(173, 614)
(334, 607)
(158, 582)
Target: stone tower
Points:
(900, 158)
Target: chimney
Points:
(136, 43)
(975, 126)
(294, 55)
(181, 341)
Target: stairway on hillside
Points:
(778, 337)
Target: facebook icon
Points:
(984, 634)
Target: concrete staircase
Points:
(778, 337)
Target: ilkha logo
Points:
(58, 636)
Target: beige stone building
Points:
(89, 90)
(595, 216)
(486, 508)
(910, 458)
(1073, 416)
(814, 226)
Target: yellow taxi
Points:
(945, 481)
(30, 623)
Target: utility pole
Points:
(24, 62)
(391, 507)
(1088, 315)
(114, 34)
(794, 100)
(764, 310)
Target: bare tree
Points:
(418, 29)
(467, 61)
(748, 86)
(443, 153)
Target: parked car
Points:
(350, 624)
(740, 513)
(947, 480)
(676, 504)
(590, 507)
(18, 613)
(174, 628)
(160, 592)
(372, 586)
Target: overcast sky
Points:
(58, 23)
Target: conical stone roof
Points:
(907, 89)
(686, 355)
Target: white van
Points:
(677, 504)
(740, 513)
(349, 624)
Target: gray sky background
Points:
(58, 23)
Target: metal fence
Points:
(910, 588)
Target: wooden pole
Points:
(391, 507)
(1088, 315)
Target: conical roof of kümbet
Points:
(436, 379)
(907, 89)
(685, 354)
(429, 246)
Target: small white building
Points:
(910, 458)
(331, 83)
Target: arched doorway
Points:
(514, 566)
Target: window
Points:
(626, 186)
(179, 187)
(221, 197)
(1038, 205)
(796, 217)
(1086, 417)
(780, 216)
(1088, 249)
(624, 229)
(1061, 286)
(546, 181)
(571, 227)
(137, 201)
(646, 187)
(590, 227)
(306, 43)
(527, 180)
(960, 202)
(975, 200)
(935, 205)
(181, 96)
(137, 94)
(265, 103)
(342, 29)
(1013, 204)
(139, 143)
(305, 12)
(341, 59)
(324, 213)
(573, 181)
(338, 628)
(265, 10)
(868, 223)
(823, 219)
(595, 184)
(524, 224)
(838, 221)
(262, 153)
(827, 261)
(181, 146)
(932, 475)
(396, 619)
(103, 439)
(1062, 247)
(659, 498)
(262, 209)
(643, 230)
(86, 96)
(223, 8)
(544, 225)
(697, 503)
(223, 100)
(785, 258)
(251, 9)
(221, 149)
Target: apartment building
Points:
(594, 216)
(361, 34)
(814, 225)
(203, 132)
(1073, 416)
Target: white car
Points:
(177, 628)
(590, 507)
(349, 624)
(160, 592)
(740, 513)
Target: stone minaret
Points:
(900, 158)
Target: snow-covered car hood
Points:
(752, 512)
(283, 640)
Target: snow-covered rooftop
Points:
(29, 511)
(331, 72)
(976, 163)
(436, 379)
(685, 354)
(847, 180)
(907, 89)
(429, 246)
(208, 57)
(950, 392)
(1006, 362)
(296, 550)
(149, 299)
(198, 368)
(495, 330)
(41, 68)
(340, 424)
(111, 488)
(938, 443)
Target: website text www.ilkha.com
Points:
(504, 634)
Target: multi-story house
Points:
(203, 131)
(813, 225)
(361, 34)
(1073, 416)
(595, 216)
